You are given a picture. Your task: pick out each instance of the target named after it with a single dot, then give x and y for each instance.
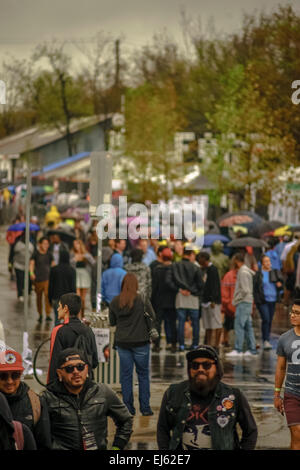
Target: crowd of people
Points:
(179, 287)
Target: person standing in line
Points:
(288, 368)
(111, 281)
(243, 301)
(227, 292)
(163, 301)
(82, 261)
(126, 312)
(39, 269)
(211, 301)
(62, 280)
(141, 271)
(267, 283)
(185, 278)
(19, 265)
(65, 335)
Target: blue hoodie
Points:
(112, 278)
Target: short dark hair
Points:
(42, 239)
(137, 255)
(73, 302)
(204, 255)
(239, 257)
(296, 302)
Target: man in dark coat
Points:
(62, 280)
(64, 336)
(79, 407)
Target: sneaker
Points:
(40, 319)
(173, 348)
(147, 413)
(168, 347)
(21, 299)
(250, 354)
(234, 353)
(181, 349)
(48, 319)
(267, 345)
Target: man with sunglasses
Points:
(203, 412)
(24, 403)
(78, 407)
(288, 368)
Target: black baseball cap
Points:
(205, 351)
(68, 355)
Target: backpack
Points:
(35, 405)
(82, 344)
(18, 435)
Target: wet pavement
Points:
(255, 377)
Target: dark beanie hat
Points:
(206, 351)
(69, 354)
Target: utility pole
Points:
(117, 52)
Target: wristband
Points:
(277, 389)
(115, 448)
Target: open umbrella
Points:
(247, 241)
(22, 226)
(247, 218)
(65, 236)
(209, 239)
(281, 231)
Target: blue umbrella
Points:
(210, 238)
(22, 226)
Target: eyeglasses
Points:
(4, 376)
(206, 365)
(297, 314)
(69, 369)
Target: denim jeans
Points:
(182, 314)
(140, 357)
(243, 327)
(266, 311)
(168, 315)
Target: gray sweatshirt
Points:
(243, 291)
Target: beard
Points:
(203, 387)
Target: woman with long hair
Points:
(82, 261)
(126, 312)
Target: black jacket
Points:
(185, 275)
(66, 338)
(212, 286)
(163, 296)
(21, 409)
(258, 290)
(7, 441)
(176, 407)
(130, 324)
(70, 413)
(62, 280)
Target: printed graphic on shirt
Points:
(289, 347)
(196, 433)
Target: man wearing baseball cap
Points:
(24, 403)
(78, 407)
(203, 412)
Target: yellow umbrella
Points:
(240, 228)
(281, 231)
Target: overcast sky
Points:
(25, 23)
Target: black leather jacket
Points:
(70, 413)
(185, 275)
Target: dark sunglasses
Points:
(14, 375)
(206, 365)
(69, 369)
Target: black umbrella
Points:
(247, 241)
(67, 237)
(265, 227)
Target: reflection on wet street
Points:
(255, 377)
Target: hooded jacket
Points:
(71, 414)
(243, 291)
(21, 409)
(218, 258)
(7, 441)
(112, 278)
(227, 292)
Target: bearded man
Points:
(203, 412)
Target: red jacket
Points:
(227, 291)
